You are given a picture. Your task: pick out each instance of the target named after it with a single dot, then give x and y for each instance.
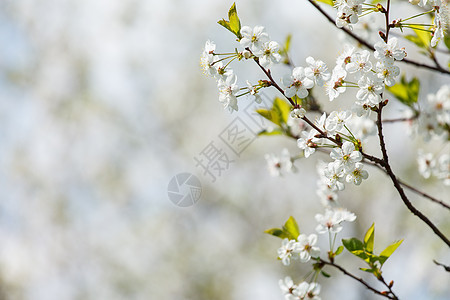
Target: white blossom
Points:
(359, 63)
(317, 70)
(297, 84)
(389, 51)
(370, 89)
(288, 287)
(307, 248)
(307, 142)
(227, 92)
(254, 39)
(289, 249)
(334, 173)
(279, 165)
(336, 86)
(387, 71)
(336, 120)
(269, 54)
(346, 156)
(357, 174)
(332, 219)
(426, 163)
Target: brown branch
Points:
(366, 44)
(397, 184)
(446, 268)
(357, 279)
(413, 189)
(425, 195)
(399, 120)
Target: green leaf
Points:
(276, 131)
(278, 114)
(329, 2)
(370, 270)
(278, 233)
(416, 40)
(424, 36)
(287, 43)
(282, 109)
(325, 274)
(447, 41)
(353, 244)
(225, 24)
(386, 253)
(339, 250)
(406, 92)
(269, 115)
(369, 238)
(235, 23)
(291, 227)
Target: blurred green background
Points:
(103, 102)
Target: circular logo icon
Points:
(184, 189)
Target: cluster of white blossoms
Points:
(346, 165)
(431, 166)
(300, 249)
(348, 12)
(434, 118)
(278, 165)
(301, 291)
(255, 43)
(370, 78)
(332, 219)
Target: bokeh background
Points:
(103, 102)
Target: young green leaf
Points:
(424, 36)
(353, 244)
(268, 115)
(406, 92)
(287, 43)
(447, 41)
(339, 250)
(291, 227)
(282, 109)
(235, 23)
(369, 238)
(329, 2)
(278, 233)
(276, 131)
(386, 253)
(325, 274)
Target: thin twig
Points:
(399, 120)
(446, 268)
(356, 278)
(424, 194)
(411, 188)
(389, 286)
